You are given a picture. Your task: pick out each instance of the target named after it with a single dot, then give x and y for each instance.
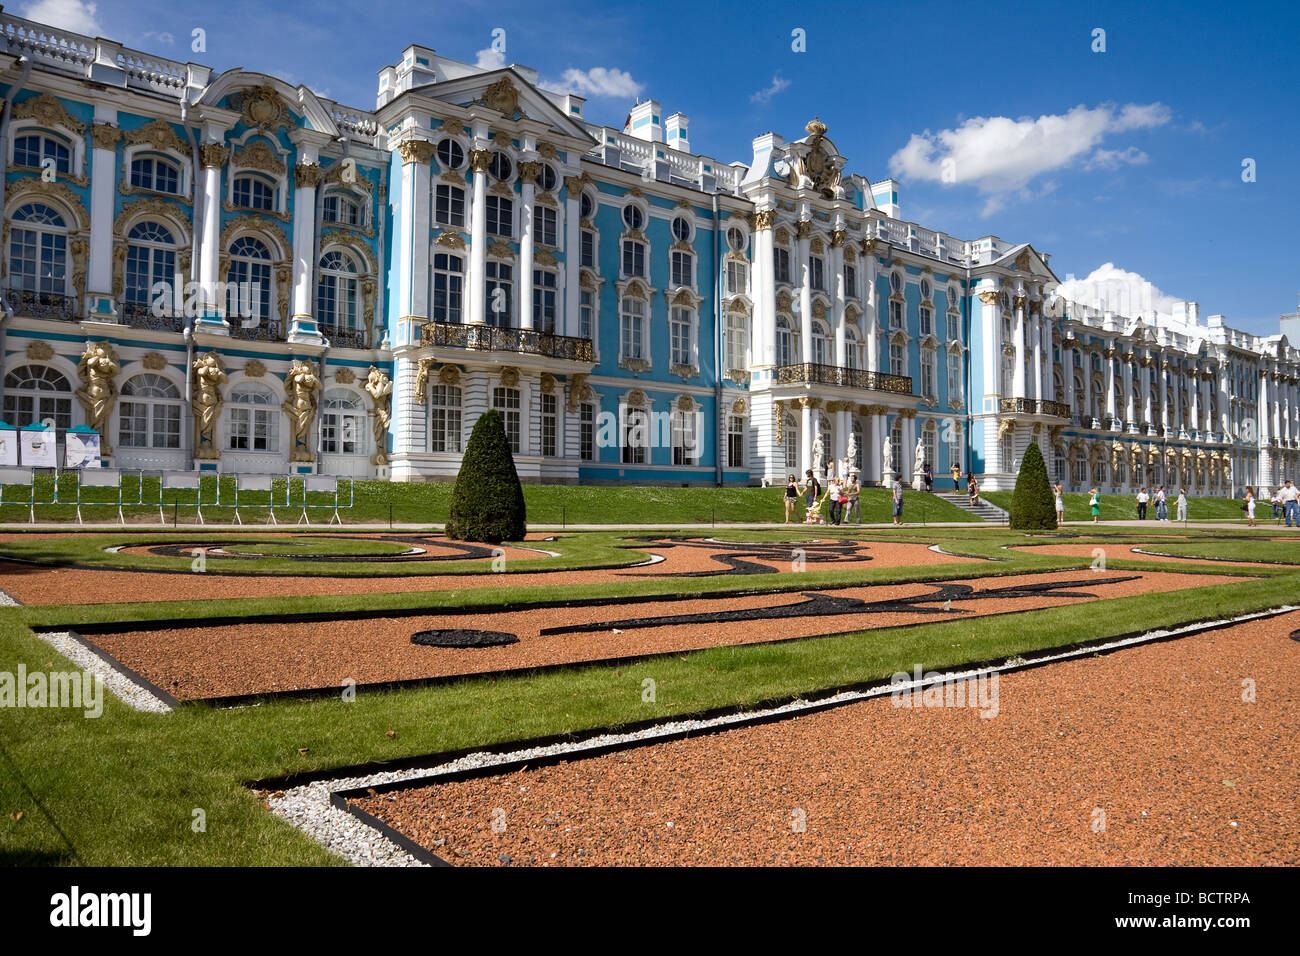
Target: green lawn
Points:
(121, 789)
(428, 502)
(1124, 507)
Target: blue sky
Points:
(1132, 156)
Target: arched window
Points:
(444, 418)
(254, 192)
(341, 209)
(737, 340)
(785, 350)
(150, 413)
(254, 419)
(336, 294)
(37, 393)
(820, 344)
(342, 423)
(155, 173)
(38, 250)
(682, 336)
(250, 274)
(448, 287)
(33, 149)
(150, 258)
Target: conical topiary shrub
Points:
(487, 502)
(1032, 503)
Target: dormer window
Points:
(450, 154)
(925, 289)
(500, 168)
(736, 239)
(681, 229)
(546, 178)
(586, 206)
(633, 217)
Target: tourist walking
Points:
(929, 479)
(812, 488)
(898, 500)
(1249, 506)
(1276, 502)
(1059, 495)
(973, 490)
(1162, 505)
(1094, 502)
(833, 494)
(1142, 500)
(1290, 503)
(791, 497)
(1182, 504)
(956, 477)
(853, 512)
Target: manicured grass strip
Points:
(1122, 507)
(123, 788)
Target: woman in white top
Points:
(1182, 504)
(1060, 504)
(1250, 507)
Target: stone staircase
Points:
(984, 510)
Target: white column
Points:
(1085, 357)
(991, 325)
(1067, 374)
(1130, 412)
(527, 193)
(413, 230)
(306, 177)
(1264, 429)
(1036, 333)
(478, 243)
(1018, 377)
(1109, 380)
(764, 331)
(805, 292)
(871, 317)
(212, 156)
(1207, 420)
(1225, 404)
(99, 302)
(1162, 393)
(1194, 385)
(837, 305)
(573, 258)
(1048, 359)
(1147, 416)
(807, 429)
(873, 436)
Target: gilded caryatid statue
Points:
(209, 376)
(814, 167)
(302, 385)
(97, 369)
(380, 389)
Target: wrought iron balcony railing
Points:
(489, 338)
(1040, 406)
(43, 305)
(140, 315)
(345, 338)
(809, 373)
(264, 331)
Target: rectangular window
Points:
(449, 206)
(683, 437)
(895, 314)
(500, 216)
(851, 282)
(817, 272)
(550, 425)
(680, 334)
(632, 328)
(781, 265)
(444, 418)
(633, 258)
(737, 277)
(927, 320)
(448, 285)
(897, 360)
(636, 436)
(586, 431)
(927, 373)
(588, 249)
(586, 313)
(735, 442)
(506, 401)
(544, 221)
(498, 305)
(544, 301)
(683, 269)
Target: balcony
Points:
(345, 338)
(1039, 406)
(263, 331)
(43, 305)
(140, 315)
(488, 338)
(812, 374)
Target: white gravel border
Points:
(127, 690)
(308, 807)
(6, 600)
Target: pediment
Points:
(507, 92)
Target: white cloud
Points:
(778, 84)
(1110, 287)
(598, 81)
(74, 15)
(490, 59)
(1000, 156)
(1115, 158)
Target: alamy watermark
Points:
(931, 690)
(182, 299)
(70, 689)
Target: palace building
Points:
(223, 272)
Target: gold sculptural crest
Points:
(301, 384)
(97, 369)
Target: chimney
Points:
(1193, 313)
(675, 130)
(644, 122)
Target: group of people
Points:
(839, 498)
(1161, 499)
(1285, 502)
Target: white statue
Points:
(918, 462)
(887, 456)
(852, 452)
(819, 456)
